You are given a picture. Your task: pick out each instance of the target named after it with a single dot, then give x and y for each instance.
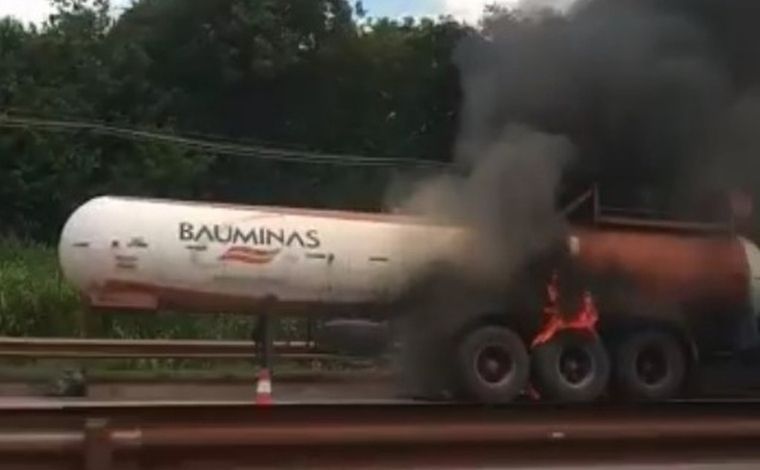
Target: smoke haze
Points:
(515, 176)
(655, 100)
(653, 94)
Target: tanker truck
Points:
(650, 302)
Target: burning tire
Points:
(650, 366)
(493, 365)
(572, 367)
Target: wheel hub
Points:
(494, 364)
(575, 365)
(651, 365)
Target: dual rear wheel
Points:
(572, 367)
(495, 367)
(651, 365)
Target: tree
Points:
(290, 73)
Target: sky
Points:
(469, 10)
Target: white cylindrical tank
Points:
(145, 254)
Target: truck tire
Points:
(573, 367)
(650, 366)
(493, 365)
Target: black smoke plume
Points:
(659, 98)
(657, 101)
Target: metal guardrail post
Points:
(98, 448)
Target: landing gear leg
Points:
(73, 382)
(262, 335)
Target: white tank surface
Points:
(128, 253)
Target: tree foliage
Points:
(314, 74)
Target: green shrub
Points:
(35, 300)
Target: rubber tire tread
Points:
(548, 380)
(627, 382)
(472, 386)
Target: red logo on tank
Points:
(247, 255)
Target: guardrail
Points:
(58, 348)
(219, 435)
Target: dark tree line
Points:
(314, 75)
(660, 95)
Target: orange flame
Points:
(584, 320)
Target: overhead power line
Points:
(220, 148)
